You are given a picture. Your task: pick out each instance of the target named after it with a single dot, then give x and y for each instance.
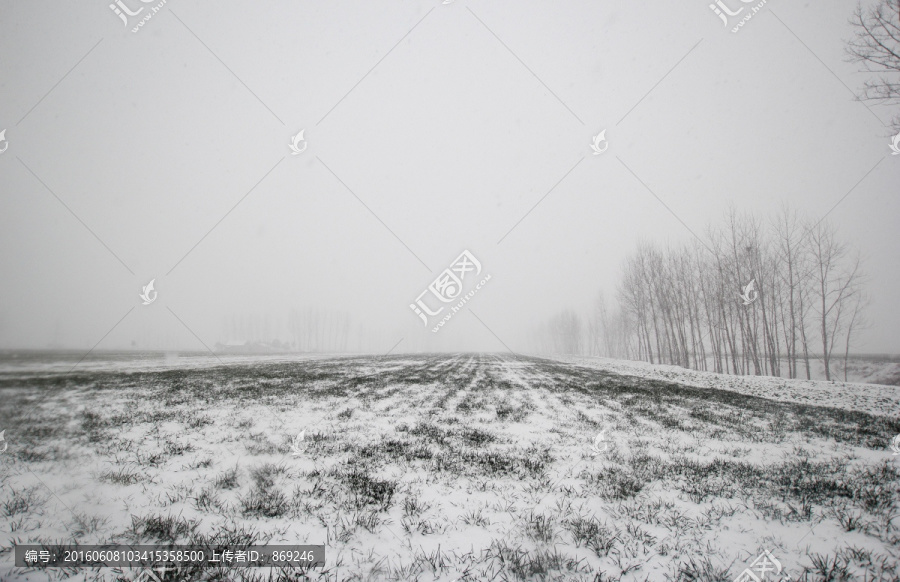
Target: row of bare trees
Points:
(758, 297)
(309, 330)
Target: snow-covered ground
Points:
(871, 398)
(37, 363)
(456, 467)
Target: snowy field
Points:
(861, 397)
(454, 467)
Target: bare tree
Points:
(837, 277)
(567, 330)
(635, 299)
(857, 321)
(793, 270)
(598, 325)
(876, 44)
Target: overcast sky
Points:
(430, 128)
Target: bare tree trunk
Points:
(859, 303)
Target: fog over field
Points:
(452, 289)
(429, 128)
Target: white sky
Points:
(450, 140)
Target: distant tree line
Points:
(309, 330)
(689, 305)
(319, 330)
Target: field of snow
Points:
(31, 363)
(871, 398)
(455, 467)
